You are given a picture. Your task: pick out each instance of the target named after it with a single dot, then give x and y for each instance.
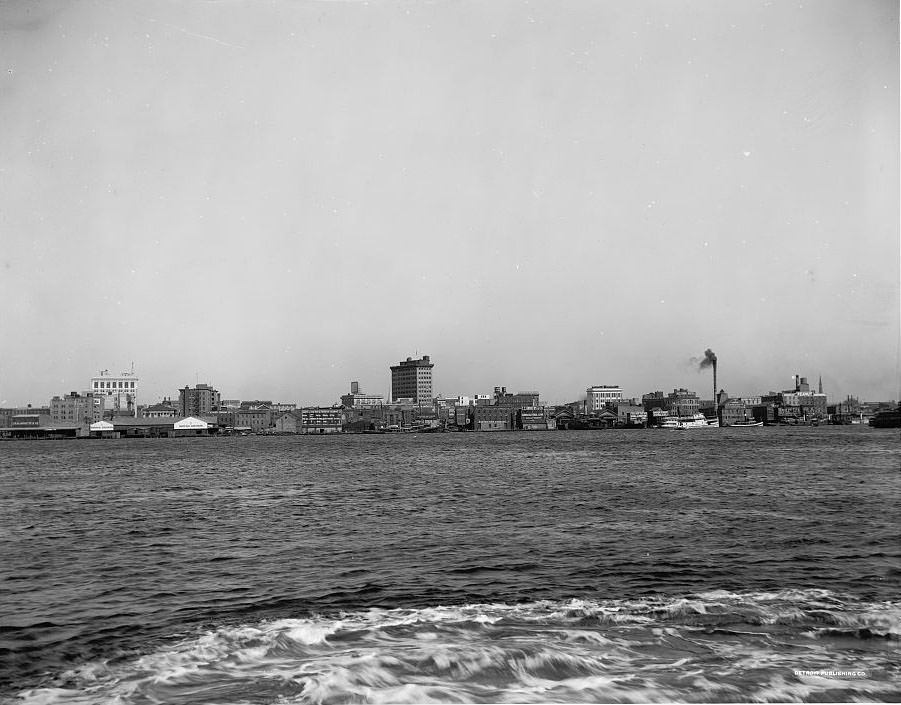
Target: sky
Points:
(278, 198)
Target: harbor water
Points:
(713, 565)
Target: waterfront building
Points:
(321, 420)
(631, 414)
(120, 392)
(494, 417)
(41, 426)
(7, 414)
(287, 422)
(764, 412)
(128, 427)
(201, 400)
(600, 395)
(535, 418)
(77, 408)
(802, 403)
(412, 379)
(564, 416)
(254, 420)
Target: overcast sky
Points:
(278, 198)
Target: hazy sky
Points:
(280, 197)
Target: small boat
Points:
(747, 424)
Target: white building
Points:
(120, 392)
(600, 394)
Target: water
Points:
(528, 567)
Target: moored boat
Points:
(695, 421)
(887, 419)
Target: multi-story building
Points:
(202, 400)
(412, 379)
(631, 414)
(804, 404)
(601, 394)
(800, 403)
(321, 419)
(494, 417)
(682, 402)
(77, 408)
(121, 392)
(255, 420)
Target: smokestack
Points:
(710, 361)
(716, 401)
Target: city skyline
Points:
(279, 199)
(145, 399)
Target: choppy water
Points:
(529, 567)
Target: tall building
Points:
(412, 379)
(202, 400)
(601, 394)
(120, 392)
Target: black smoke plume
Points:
(709, 359)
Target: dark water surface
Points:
(705, 565)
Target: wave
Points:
(710, 646)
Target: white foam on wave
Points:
(645, 649)
(307, 631)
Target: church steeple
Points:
(820, 386)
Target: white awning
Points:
(191, 424)
(102, 426)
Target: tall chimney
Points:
(716, 401)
